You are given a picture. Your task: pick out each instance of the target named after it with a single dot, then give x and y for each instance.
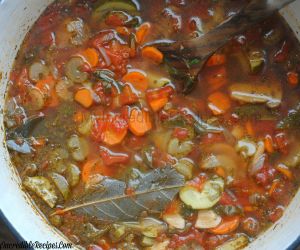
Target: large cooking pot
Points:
(16, 18)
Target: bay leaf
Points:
(153, 191)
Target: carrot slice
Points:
(139, 122)
(112, 138)
(84, 97)
(153, 54)
(138, 80)
(142, 32)
(94, 166)
(157, 98)
(283, 169)
(218, 103)
(91, 56)
(216, 60)
(228, 225)
(268, 141)
(47, 87)
(87, 169)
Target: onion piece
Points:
(73, 71)
(63, 89)
(61, 184)
(257, 93)
(234, 244)
(38, 71)
(246, 147)
(258, 159)
(79, 147)
(174, 220)
(207, 219)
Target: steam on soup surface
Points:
(120, 152)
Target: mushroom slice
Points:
(257, 93)
(174, 220)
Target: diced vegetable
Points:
(257, 93)
(117, 232)
(139, 122)
(61, 183)
(204, 199)
(292, 159)
(63, 89)
(36, 100)
(38, 71)
(246, 147)
(293, 78)
(207, 219)
(161, 138)
(108, 6)
(256, 60)
(142, 32)
(174, 220)
(43, 188)
(258, 159)
(84, 97)
(185, 167)
(47, 87)
(234, 244)
(218, 103)
(158, 98)
(216, 60)
(79, 147)
(91, 56)
(153, 54)
(78, 30)
(159, 245)
(292, 120)
(179, 149)
(138, 80)
(85, 126)
(228, 225)
(152, 227)
(147, 241)
(73, 70)
(73, 175)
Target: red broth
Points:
(90, 100)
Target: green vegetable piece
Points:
(117, 232)
(207, 198)
(61, 184)
(42, 187)
(256, 60)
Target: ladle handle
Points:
(254, 12)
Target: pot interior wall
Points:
(16, 17)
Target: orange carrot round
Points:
(138, 80)
(142, 32)
(228, 225)
(84, 97)
(91, 56)
(139, 122)
(153, 54)
(219, 103)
